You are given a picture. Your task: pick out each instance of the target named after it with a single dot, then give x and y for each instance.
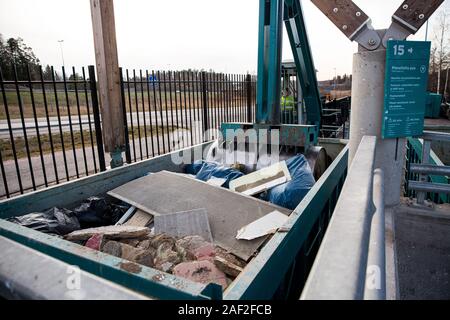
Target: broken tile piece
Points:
(201, 271)
(95, 242)
(227, 267)
(220, 252)
(197, 248)
(262, 180)
(185, 223)
(263, 226)
(139, 219)
(217, 182)
(111, 232)
(127, 252)
(166, 258)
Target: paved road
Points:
(61, 174)
(38, 170)
(155, 117)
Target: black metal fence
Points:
(50, 122)
(169, 110)
(335, 118)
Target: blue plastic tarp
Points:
(291, 193)
(287, 195)
(206, 170)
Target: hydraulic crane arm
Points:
(356, 25)
(351, 20)
(272, 13)
(298, 38)
(410, 17)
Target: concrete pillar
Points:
(366, 119)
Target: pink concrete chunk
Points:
(201, 271)
(95, 242)
(205, 252)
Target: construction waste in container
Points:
(92, 212)
(181, 243)
(189, 257)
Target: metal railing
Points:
(50, 129)
(168, 110)
(335, 118)
(350, 263)
(50, 122)
(426, 176)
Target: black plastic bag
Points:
(56, 221)
(97, 212)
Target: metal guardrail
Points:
(425, 169)
(350, 263)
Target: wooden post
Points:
(103, 23)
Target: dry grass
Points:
(174, 100)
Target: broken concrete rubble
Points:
(227, 267)
(191, 257)
(95, 242)
(201, 271)
(112, 232)
(127, 252)
(167, 257)
(220, 252)
(197, 247)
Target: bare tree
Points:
(442, 44)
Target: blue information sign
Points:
(405, 88)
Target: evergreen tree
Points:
(16, 52)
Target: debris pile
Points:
(196, 230)
(190, 257)
(92, 212)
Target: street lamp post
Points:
(335, 80)
(62, 52)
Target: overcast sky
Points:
(179, 34)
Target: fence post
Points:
(97, 124)
(205, 106)
(125, 121)
(248, 82)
